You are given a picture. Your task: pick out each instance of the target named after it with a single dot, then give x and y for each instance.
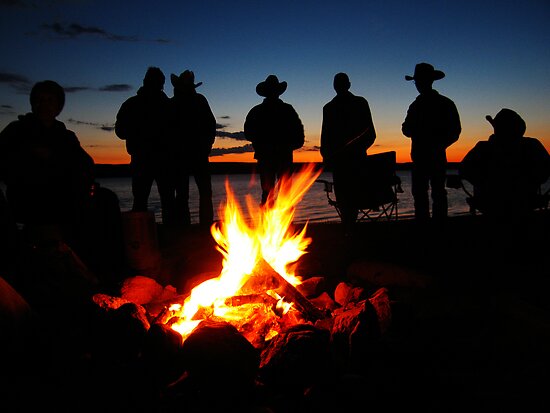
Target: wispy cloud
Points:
(74, 30)
(235, 149)
(101, 126)
(238, 136)
(74, 89)
(18, 82)
(18, 3)
(6, 110)
(23, 84)
(117, 87)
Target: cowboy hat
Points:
(425, 71)
(507, 121)
(271, 87)
(184, 80)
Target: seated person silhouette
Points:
(49, 180)
(506, 170)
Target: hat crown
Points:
(188, 77)
(425, 71)
(271, 87)
(186, 80)
(508, 121)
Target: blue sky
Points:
(495, 54)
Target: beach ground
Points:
(471, 315)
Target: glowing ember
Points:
(244, 244)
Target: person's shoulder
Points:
(533, 143)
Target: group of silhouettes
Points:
(50, 179)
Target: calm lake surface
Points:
(314, 206)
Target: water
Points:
(314, 206)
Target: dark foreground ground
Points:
(470, 326)
(471, 314)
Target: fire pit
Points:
(272, 335)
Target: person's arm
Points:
(297, 133)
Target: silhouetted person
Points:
(48, 175)
(143, 122)
(194, 133)
(433, 124)
(49, 180)
(506, 170)
(275, 130)
(346, 134)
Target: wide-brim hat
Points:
(185, 80)
(425, 71)
(507, 121)
(271, 87)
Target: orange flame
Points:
(242, 244)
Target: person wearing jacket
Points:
(347, 132)
(433, 124)
(143, 121)
(506, 170)
(275, 130)
(48, 175)
(193, 131)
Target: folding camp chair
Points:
(378, 186)
(540, 200)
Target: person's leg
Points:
(344, 191)
(203, 180)
(439, 193)
(267, 179)
(142, 181)
(181, 184)
(419, 189)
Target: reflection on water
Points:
(314, 206)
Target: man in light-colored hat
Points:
(194, 133)
(275, 130)
(433, 124)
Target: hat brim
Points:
(436, 75)
(263, 89)
(178, 83)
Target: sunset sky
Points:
(495, 54)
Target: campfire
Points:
(257, 319)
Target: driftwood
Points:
(289, 292)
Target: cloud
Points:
(235, 149)
(17, 3)
(18, 82)
(238, 136)
(117, 87)
(74, 89)
(101, 126)
(74, 30)
(314, 148)
(6, 110)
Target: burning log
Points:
(289, 292)
(239, 300)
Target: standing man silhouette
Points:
(346, 134)
(142, 121)
(275, 130)
(433, 124)
(194, 133)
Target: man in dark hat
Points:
(506, 170)
(346, 134)
(433, 124)
(142, 121)
(194, 133)
(275, 130)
